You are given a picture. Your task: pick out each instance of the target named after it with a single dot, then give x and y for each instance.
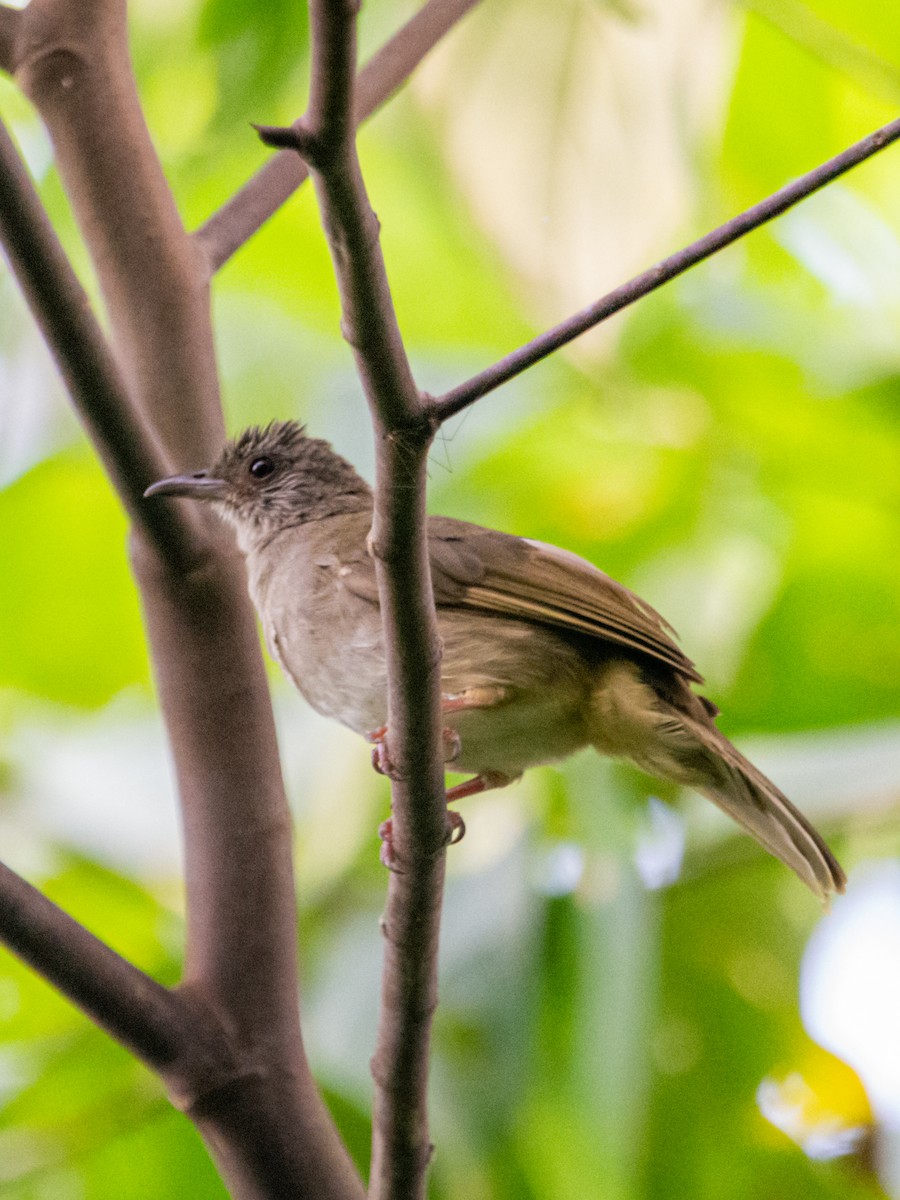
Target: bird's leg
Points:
(381, 761)
(469, 698)
(473, 697)
(485, 782)
(456, 826)
(382, 764)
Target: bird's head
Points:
(270, 478)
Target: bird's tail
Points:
(671, 734)
(746, 795)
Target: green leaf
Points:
(68, 607)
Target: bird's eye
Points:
(261, 468)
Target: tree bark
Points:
(252, 1095)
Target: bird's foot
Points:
(468, 698)
(456, 826)
(381, 760)
(387, 856)
(456, 831)
(452, 744)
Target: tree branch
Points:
(401, 1146)
(78, 74)
(179, 1036)
(10, 23)
(80, 350)
(75, 66)
(526, 356)
(136, 1010)
(248, 210)
(264, 1121)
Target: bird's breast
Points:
(327, 640)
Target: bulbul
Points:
(542, 652)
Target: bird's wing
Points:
(495, 572)
(492, 572)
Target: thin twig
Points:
(247, 211)
(401, 1145)
(82, 354)
(513, 364)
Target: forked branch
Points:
(136, 1010)
(82, 354)
(401, 1146)
(249, 208)
(253, 1098)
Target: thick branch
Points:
(74, 65)
(139, 1012)
(526, 356)
(420, 828)
(176, 1034)
(249, 209)
(81, 352)
(265, 1124)
(78, 73)
(10, 23)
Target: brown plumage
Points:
(543, 653)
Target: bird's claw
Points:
(381, 760)
(452, 744)
(456, 827)
(387, 855)
(456, 831)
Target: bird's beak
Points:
(198, 486)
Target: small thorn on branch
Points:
(288, 137)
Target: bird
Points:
(543, 653)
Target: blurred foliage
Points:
(729, 449)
